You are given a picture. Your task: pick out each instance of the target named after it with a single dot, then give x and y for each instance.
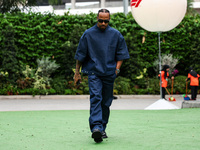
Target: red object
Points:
(135, 3)
(172, 99)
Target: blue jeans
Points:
(101, 96)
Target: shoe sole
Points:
(104, 137)
(97, 136)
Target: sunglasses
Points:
(101, 21)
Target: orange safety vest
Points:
(194, 81)
(164, 81)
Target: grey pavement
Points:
(77, 102)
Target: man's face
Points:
(103, 20)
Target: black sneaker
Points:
(115, 97)
(97, 136)
(104, 135)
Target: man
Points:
(100, 52)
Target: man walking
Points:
(100, 52)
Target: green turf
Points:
(127, 130)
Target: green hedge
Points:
(45, 34)
(37, 35)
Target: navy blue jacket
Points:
(100, 50)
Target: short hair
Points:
(103, 10)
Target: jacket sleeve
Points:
(122, 50)
(188, 77)
(81, 52)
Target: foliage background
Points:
(37, 35)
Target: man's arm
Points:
(77, 76)
(118, 66)
(78, 66)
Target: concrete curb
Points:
(44, 97)
(82, 97)
(191, 104)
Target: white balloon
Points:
(158, 15)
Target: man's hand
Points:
(77, 78)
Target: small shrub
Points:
(122, 85)
(59, 85)
(47, 66)
(179, 85)
(154, 86)
(167, 59)
(9, 90)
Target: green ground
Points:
(127, 130)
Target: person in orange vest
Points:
(164, 79)
(194, 82)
